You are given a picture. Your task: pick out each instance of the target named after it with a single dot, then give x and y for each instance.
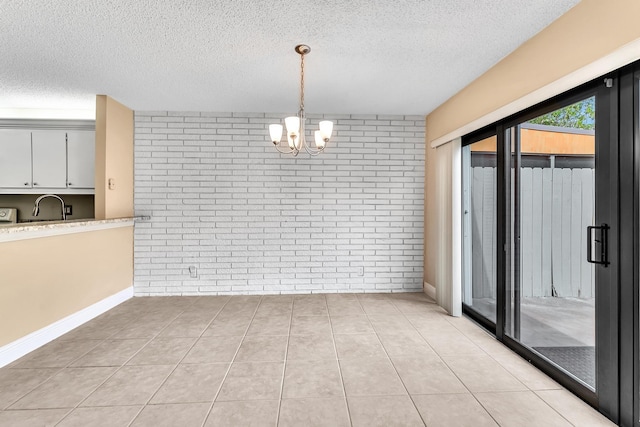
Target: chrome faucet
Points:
(36, 207)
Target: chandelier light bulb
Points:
(275, 131)
(326, 128)
(293, 125)
(319, 139)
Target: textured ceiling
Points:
(394, 57)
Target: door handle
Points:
(603, 242)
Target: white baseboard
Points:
(430, 290)
(18, 348)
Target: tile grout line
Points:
(462, 382)
(68, 366)
(528, 389)
(335, 349)
(183, 356)
(391, 361)
(123, 365)
(456, 375)
(284, 366)
(559, 413)
(451, 370)
(509, 372)
(59, 369)
(224, 378)
(158, 334)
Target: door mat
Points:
(580, 361)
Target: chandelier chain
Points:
(301, 83)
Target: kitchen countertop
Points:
(30, 230)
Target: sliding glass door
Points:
(555, 243)
(540, 237)
(551, 238)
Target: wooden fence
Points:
(557, 205)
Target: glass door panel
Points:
(479, 226)
(552, 285)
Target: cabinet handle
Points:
(35, 183)
(68, 183)
(26, 183)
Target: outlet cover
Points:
(68, 210)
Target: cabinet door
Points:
(49, 159)
(15, 158)
(81, 159)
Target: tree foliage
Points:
(580, 115)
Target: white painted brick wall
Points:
(250, 220)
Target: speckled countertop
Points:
(50, 225)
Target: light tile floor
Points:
(304, 360)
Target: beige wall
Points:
(588, 32)
(43, 280)
(49, 278)
(114, 159)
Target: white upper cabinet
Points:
(36, 161)
(15, 158)
(49, 159)
(81, 153)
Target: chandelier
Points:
(296, 124)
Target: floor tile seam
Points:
(486, 410)
(111, 376)
(134, 355)
(32, 389)
(284, 365)
(502, 365)
(569, 421)
(71, 361)
(491, 356)
(392, 395)
(342, 387)
(195, 341)
(552, 408)
(157, 335)
(421, 336)
(68, 366)
(60, 420)
(226, 374)
(458, 377)
(184, 312)
(529, 388)
(400, 378)
(90, 393)
(521, 391)
(470, 338)
(388, 358)
(441, 360)
(136, 415)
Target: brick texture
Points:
(250, 220)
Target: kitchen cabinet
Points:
(81, 153)
(15, 158)
(47, 161)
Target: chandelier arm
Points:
(313, 151)
(289, 151)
